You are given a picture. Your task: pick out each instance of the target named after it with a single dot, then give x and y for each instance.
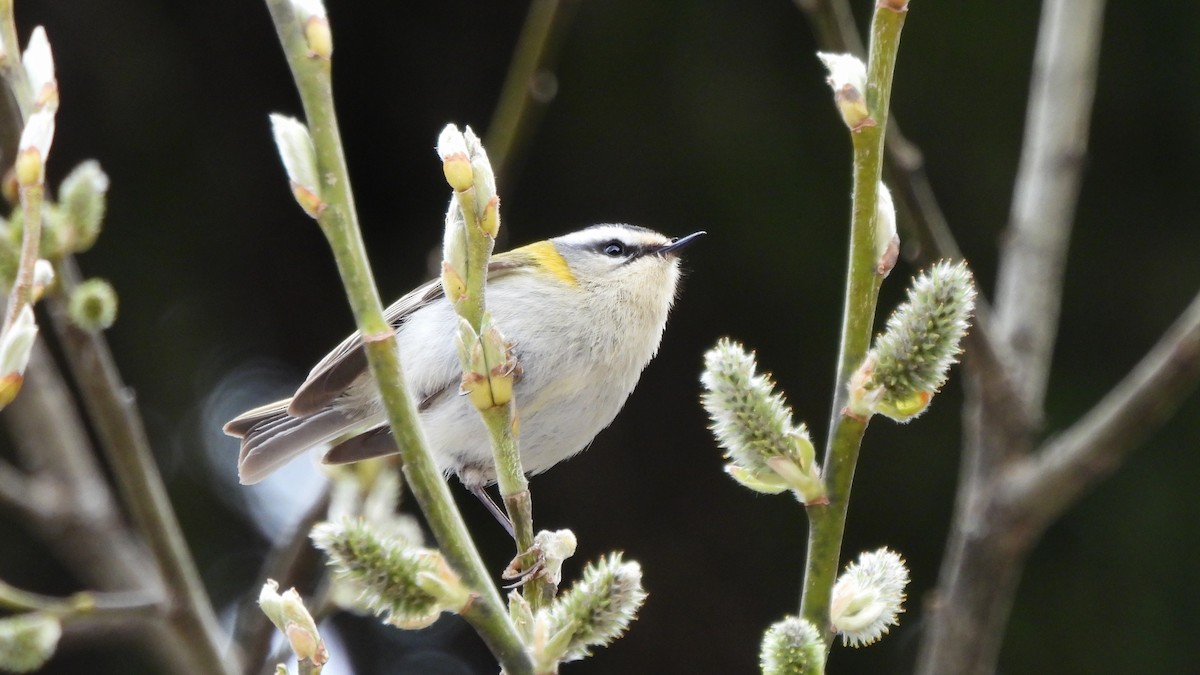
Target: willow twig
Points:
(827, 521)
(339, 222)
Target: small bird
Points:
(584, 313)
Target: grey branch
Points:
(1095, 445)
(112, 409)
(15, 494)
(1029, 286)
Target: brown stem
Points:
(111, 407)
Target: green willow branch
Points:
(86, 603)
(529, 85)
(11, 69)
(827, 522)
(339, 222)
(904, 167)
(470, 241)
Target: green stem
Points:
(11, 68)
(31, 238)
(827, 521)
(529, 84)
(499, 420)
(339, 221)
(31, 196)
(127, 604)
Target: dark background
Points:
(679, 116)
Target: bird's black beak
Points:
(679, 243)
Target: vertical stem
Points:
(827, 521)
(500, 420)
(112, 409)
(339, 221)
(529, 85)
(11, 69)
(990, 535)
(31, 238)
(1029, 280)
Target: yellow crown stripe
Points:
(547, 258)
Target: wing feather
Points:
(342, 366)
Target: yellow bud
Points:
(30, 169)
(10, 386)
(10, 188)
(458, 172)
(906, 408)
(452, 283)
(489, 222)
(853, 106)
(501, 381)
(319, 37)
(306, 644)
(308, 200)
(476, 387)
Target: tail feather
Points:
(271, 437)
(375, 443)
(242, 424)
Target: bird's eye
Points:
(614, 249)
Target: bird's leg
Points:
(498, 513)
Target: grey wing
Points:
(342, 366)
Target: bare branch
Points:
(14, 491)
(1095, 445)
(1029, 287)
(111, 407)
(71, 505)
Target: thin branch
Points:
(1095, 445)
(904, 171)
(128, 603)
(1029, 284)
(339, 222)
(113, 411)
(31, 238)
(827, 522)
(15, 494)
(73, 508)
(530, 84)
